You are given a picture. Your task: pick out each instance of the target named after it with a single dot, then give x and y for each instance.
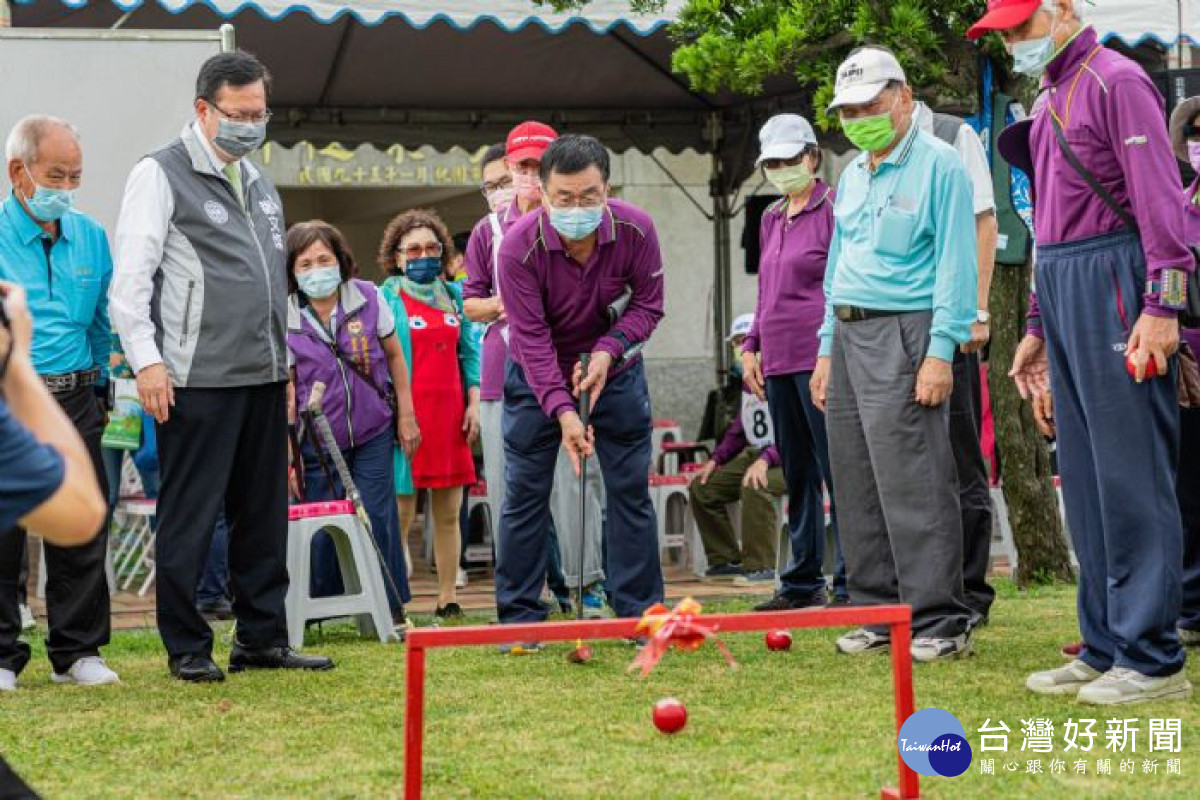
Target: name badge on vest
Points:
(756, 419)
(355, 327)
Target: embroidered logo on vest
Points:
(216, 212)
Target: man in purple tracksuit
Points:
(1110, 284)
(560, 268)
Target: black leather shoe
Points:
(782, 602)
(195, 668)
(243, 658)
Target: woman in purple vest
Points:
(341, 334)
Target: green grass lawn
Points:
(807, 723)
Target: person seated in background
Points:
(745, 467)
(47, 480)
(444, 359)
(342, 334)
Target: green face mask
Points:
(790, 180)
(871, 134)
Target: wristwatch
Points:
(982, 316)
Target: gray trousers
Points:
(564, 499)
(894, 473)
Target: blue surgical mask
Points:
(321, 282)
(49, 205)
(240, 139)
(1031, 57)
(423, 270)
(578, 222)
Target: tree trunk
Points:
(1025, 461)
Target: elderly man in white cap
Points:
(900, 289)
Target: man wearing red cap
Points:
(1112, 271)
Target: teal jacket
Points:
(66, 286)
(468, 358)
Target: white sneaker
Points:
(8, 680)
(925, 648)
(863, 641)
(88, 671)
(28, 621)
(1122, 686)
(1067, 679)
(460, 581)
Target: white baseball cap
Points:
(742, 324)
(862, 76)
(784, 136)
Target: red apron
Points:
(444, 458)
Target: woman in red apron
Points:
(443, 355)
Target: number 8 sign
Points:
(756, 419)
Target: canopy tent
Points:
(463, 72)
(397, 72)
(1163, 21)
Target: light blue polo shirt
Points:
(67, 289)
(904, 240)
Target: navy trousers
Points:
(1117, 455)
(371, 467)
(804, 451)
(622, 423)
(1188, 490)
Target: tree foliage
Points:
(739, 45)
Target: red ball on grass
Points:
(778, 640)
(670, 715)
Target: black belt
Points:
(70, 381)
(857, 314)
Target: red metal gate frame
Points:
(898, 618)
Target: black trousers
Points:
(223, 445)
(77, 602)
(974, 497)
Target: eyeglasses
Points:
(492, 186)
(415, 251)
(591, 197)
(264, 117)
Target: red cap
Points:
(1002, 15)
(529, 140)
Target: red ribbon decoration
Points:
(678, 628)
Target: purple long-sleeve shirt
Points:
(1112, 117)
(791, 275)
(558, 309)
(735, 441)
(480, 285)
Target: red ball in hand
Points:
(779, 640)
(670, 715)
(1131, 368)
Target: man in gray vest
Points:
(198, 297)
(966, 399)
